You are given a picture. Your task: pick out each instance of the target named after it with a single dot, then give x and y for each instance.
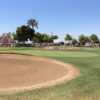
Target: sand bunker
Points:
(21, 72)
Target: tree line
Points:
(25, 32)
(28, 32)
(82, 40)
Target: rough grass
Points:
(85, 87)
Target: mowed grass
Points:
(84, 87)
(49, 53)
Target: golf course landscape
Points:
(86, 86)
(50, 50)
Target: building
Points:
(6, 40)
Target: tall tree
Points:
(32, 23)
(24, 33)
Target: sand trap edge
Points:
(72, 73)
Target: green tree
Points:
(24, 33)
(32, 23)
(83, 39)
(44, 38)
(74, 42)
(94, 38)
(53, 37)
(68, 37)
(40, 38)
(37, 37)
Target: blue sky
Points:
(57, 16)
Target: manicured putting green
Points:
(58, 53)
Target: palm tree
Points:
(32, 23)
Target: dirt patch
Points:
(21, 72)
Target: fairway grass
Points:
(47, 53)
(85, 87)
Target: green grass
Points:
(85, 87)
(47, 53)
